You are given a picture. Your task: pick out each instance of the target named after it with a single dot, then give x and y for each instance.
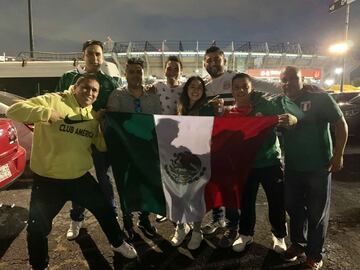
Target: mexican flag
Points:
(182, 166)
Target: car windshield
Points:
(9, 99)
(355, 100)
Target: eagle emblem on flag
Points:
(185, 168)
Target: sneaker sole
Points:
(246, 245)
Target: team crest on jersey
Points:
(185, 168)
(305, 106)
(226, 85)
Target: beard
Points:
(215, 71)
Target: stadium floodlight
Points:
(339, 48)
(338, 70)
(329, 82)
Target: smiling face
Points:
(93, 57)
(195, 91)
(86, 92)
(214, 63)
(291, 82)
(241, 89)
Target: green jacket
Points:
(269, 154)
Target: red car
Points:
(12, 155)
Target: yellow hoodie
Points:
(60, 150)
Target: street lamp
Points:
(337, 4)
(340, 49)
(30, 31)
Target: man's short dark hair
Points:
(174, 58)
(86, 77)
(241, 76)
(136, 61)
(214, 49)
(92, 42)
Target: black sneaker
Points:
(228, 238)
(148, 230)
(292, 253)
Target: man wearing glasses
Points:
(309, 162)
(134, 98)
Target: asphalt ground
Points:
(92, 251)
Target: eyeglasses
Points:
(137, 105)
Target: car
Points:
(351, 111)
(12, 155)
(24, 131)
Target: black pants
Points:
(271, 179)
(101, 164)
(48, 196)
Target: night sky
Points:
(61, 26)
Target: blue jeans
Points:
(307, 201)
(101, 164)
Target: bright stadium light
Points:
(339, 48)
(338, 70)
(329, 82)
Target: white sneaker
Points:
(241, 242)
(279, 245)
(195, 241)
(74, 229)
(128, 251)
(160, 218)
(180, 234)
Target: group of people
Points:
(68, 141)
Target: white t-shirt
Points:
(221, 86)
(168, 97)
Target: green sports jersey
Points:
(269, 153)
(107, 85)
(308, 146)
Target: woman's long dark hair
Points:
(184, 101)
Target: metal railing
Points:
(226, 46)
(50, 56)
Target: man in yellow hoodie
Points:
(65, 127)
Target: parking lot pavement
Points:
(91, 250)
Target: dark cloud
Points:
(63, 25)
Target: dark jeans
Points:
(307, 200)
(48, 196)
(271, 179)
(143, 219)
(217, 214)
(101, 164)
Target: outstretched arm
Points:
(33, 110)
